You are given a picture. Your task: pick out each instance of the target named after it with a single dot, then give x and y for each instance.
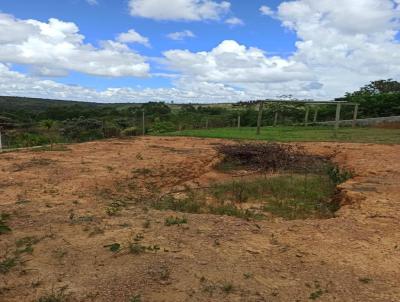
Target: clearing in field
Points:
(184, 219)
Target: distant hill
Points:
(25, 109)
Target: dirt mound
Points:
(82, 229)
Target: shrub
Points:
(131, 131)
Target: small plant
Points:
(136, 248)
(115, 247)
(7, 264)
(317, 294)
(247, 275)
(338, 175)
(227, 287)
(58, 296)
(114, 208)
(4, 228)
(169, 221)
(136, 298)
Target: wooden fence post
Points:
(355, 115)
(143, 123)
(337, 119)
(238, 120)
(276, 119)
(306, 116)
(259, 119)
(315, 114)
(1, 144)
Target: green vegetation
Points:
(175, 220)
(32, 122)
(4, 228)
(301, 185)
(300, 134)
(7, 264)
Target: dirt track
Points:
(61, 197)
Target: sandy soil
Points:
(60, 199)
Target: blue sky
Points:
(291, 50)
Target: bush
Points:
(163, 127)
(131, 131)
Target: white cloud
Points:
(57, 47)
(191, 10)
(234, 21)
(341, 46)
(231, 62)
(132, 36)
(16, 84)
(267, 11)
(92, 2)
(181, 35)
(345, 43)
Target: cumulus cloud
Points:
(191, 10)
(266, 10)
(231, 62)
(56, 47)
(181, 35)
(132, 36)
(16, 84)
(345, 43)
(234, 21)
(341, 46)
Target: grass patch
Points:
(7, 264)
(4, 228)
(175, 220)
(299, 134)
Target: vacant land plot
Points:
(301, 134)
(104, 221)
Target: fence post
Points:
(315, 114)
(355, 115)
(259, 119)
(337, 119)
(306, 116)
(207, 123)
(238, 124)
(143, 123)
(276, 119)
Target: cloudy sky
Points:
(195, 50)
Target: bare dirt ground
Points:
(60, 199)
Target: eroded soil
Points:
(60, 199)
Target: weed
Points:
(317, 294)
(338, 175)
(365, 280)
(114, 247)
(115, 207)
(58, 296)
(187, 205)
(4, 228)
(136, 248)
(136, 298)
(227, 287)
(247, 275)
(175, 221)
(7, 264)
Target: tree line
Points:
(28, 122)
